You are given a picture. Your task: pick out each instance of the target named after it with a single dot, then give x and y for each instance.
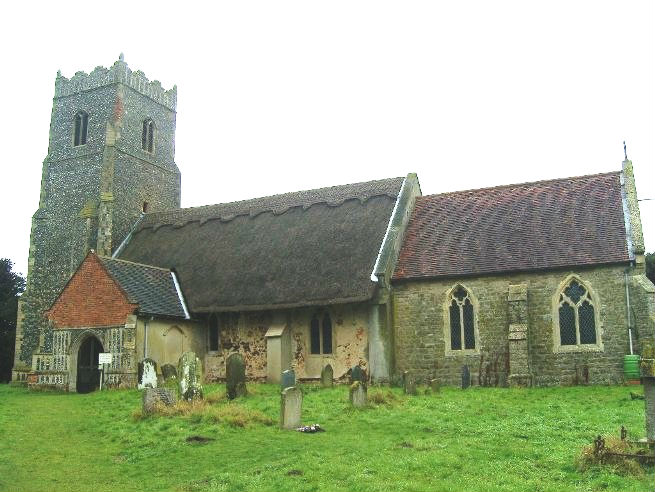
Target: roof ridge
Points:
(325, 188)
(103, 258)
(516, 185)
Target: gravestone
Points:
(435, 386)
(647, 370)
(327, 376)
(290, 407)
(154, 396)
(466, 377)
(147, 377)
(169, 372)
(358, 395)
(357, 374)
(235, 376)
(189, 370)
(410, 383)
(288, 379)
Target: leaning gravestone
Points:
(358, 395)
(154, 396)
(327, 376)
(357, 374)
(235, 376)
(435, 386)
(288, 379)
(466, 377)
(169, 372)
(147, 374)
(410, 383)
(189, 370)
(290, 407)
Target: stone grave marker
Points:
(357, 374)
(288, 379)
(290, 408)
(466, 377)
(169, 372)
(189, 370)
(647, 370)
(235, 376)
(410, 383)
(154, 396)
(358, 394)
(147, 377)
(435, 386)
(327, 376)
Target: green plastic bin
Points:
(631, 366)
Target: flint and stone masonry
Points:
(92, 194)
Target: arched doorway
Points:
(88, 374)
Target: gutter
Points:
(374, 277)
(128, 237)
(180, 296)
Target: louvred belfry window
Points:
(462, 320)
(577, 317)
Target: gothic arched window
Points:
(214, 333)
(461, 316)
(81, 125)
(148, 135)
(320, 335)
(576, 315)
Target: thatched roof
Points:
(531, 226)
(297, 249)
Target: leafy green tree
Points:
(650, 266)
(11, 286)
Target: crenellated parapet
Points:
(118, 73)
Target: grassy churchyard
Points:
(483, 439)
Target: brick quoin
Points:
(91, 298)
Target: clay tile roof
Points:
(152, 288)
(530, 226)
(305, 248)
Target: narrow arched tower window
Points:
(81, 127)
(148, 135)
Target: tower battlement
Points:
(118, 73)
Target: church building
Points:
(530, 284)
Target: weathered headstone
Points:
(189, 370)
(169, 372)
(235, 376)
(288, 379)
(466, 377)
(410, 383)
(154, 396)
(327, 376)
(290, 408)
(357, 374)
(435, 386)
(647, 370)
(147, 375)
(358, 394)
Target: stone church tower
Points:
(110, 158)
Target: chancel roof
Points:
(530, 226)
(296, 249)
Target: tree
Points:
(650, 266)
(11, 286)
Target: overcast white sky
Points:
(277, 96)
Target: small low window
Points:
(81, 125)
(213, 333)
(148, 135)
(320, 334)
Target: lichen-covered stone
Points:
(189, 370)
(169, 372)
(327, 376)
(409, 383)
(147, 374)
(154, 396)
(358, 394)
